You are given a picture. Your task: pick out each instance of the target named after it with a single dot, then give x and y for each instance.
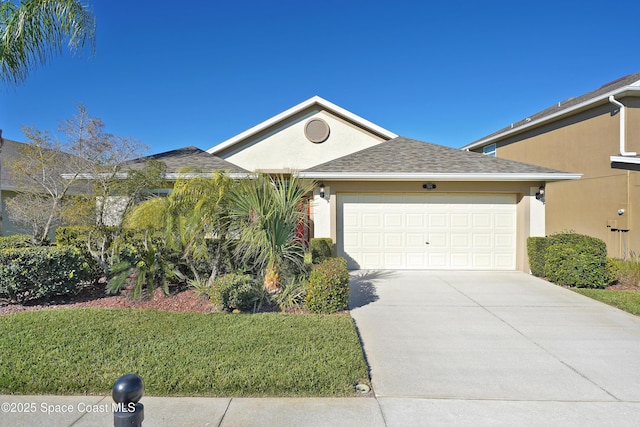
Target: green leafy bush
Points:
(328, 290)
(237, 292)
(16, 241)
(41, 272)
(536, 249)
(577, 260)
(81, 238)
(321, 249)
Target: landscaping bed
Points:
(179, 299)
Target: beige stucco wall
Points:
(584, 143)
(520, 189)
(286, 147)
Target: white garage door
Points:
(417, 231)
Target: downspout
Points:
(622, 127)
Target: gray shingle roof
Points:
(568, 103)
(191, 158)
(404, 155)
(10, 151)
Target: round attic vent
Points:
(316, 130)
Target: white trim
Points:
(623, 91)
(365, 176)
(316, 100)
(625, 159)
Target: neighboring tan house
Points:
(598, 136)
(390, 202)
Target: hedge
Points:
(321, 249)
(536, 250)
(328, 288)
(41, 272)
(570, 259)
(16, 241)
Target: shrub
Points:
(237, 292)
(291, 295)
(78, 237)
(16, 241)
(577, 260)
(625, 272)
(536, 249)
(41, 272)
(328, 289)
(321, 249)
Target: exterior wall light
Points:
(540, 194)
(322, 190)
(429, 186)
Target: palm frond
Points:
(33, 31)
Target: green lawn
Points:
(83, 351)
(624, 300)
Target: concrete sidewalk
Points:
(95, 411)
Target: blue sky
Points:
(199, 72)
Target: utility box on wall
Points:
(621, 222)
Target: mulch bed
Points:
(96, 297)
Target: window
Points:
(489, 150)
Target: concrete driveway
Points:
(499, 348)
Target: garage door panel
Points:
(394, 241)
(371, 220)
(438, 240)
(460, 240)
(482, 261)
(411, 231)
(415, 221)
(504, 241)
(482, 220)
(393, 220)
(460, 220)
(416, 241)
(394, 261)
(371, 240)
(460, 260)
(351, 220)
(482, 240)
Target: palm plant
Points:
(194, 213)
(265, 213)
(32, 31)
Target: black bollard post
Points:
(127, 392)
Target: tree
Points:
(37, 174)
(57, 182)
(33, 31)
(265, 214)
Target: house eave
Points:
(602, 99)
(167, 176)
(633, 160)
(478, 177)
(316, 100)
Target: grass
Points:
(627, 300)
(83, 351)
